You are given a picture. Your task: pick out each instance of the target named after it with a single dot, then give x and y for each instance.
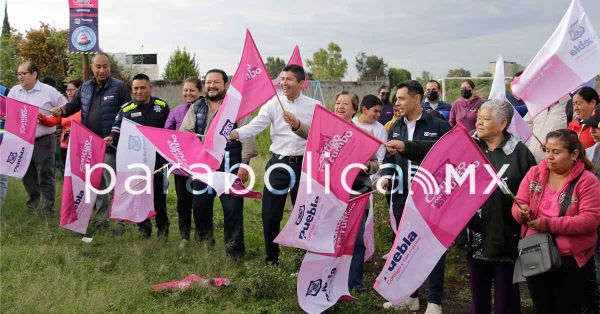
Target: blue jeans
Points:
(356, 275)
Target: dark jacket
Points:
(428, 128)
(443, 108)
(499, 232)
(153, 114)
(111, 96)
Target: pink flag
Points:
(19, 137)
(518, 127)
(297, 60)
(250, 88)
(327, 176)
(323, 278)
(432, 217)
(569, 58)
(190, 281)
(86, 149)
(294, 59)
(185, 150)
(369, 234)
(134, 195)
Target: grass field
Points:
(45, 269)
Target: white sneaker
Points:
(385, 256)
(411, 304)
(183, 244)
(433, 308)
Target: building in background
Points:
(510, 68)
(146, 63)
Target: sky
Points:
(416, 35)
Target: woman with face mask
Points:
(464, 110)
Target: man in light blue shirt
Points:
(39, 178)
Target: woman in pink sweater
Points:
(572, 287)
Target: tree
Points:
(370, 67)
(274, 66)
(328, 65)
(460, 72)
(398, 75)
(425, 77)
(47, 47)
(181, 65)
(5, 23)
(9, 58)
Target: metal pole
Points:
(444, 89)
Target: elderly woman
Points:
(493, 234)
(464, 110)
(192, 91)
(584, 101)
(541, 194)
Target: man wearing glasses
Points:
(387, 112)
(39, 178)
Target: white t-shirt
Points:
(378, 131)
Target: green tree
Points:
(274, 66)
(425, 77)
(9, 58)
(328, 65)
(5, 23)
(460, 72)
(181, 65)
(370, 67)
(47, 47)
(398, 75)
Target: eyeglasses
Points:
(23, 73)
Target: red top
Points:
(66, 126)
(584, 132)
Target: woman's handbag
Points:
(538, 253)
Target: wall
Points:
(171, 91)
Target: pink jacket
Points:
(580, 223)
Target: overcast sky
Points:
(417, 35)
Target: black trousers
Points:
(184, 205)
(278, 185)
(564, 290)
(160, 206)
(233, 218)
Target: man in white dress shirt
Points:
(287, 147)
(39, 178)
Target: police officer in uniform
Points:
(147, 110)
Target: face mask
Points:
(433, 95)
(466, 93)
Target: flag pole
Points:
(279, 101)
(153, 173)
